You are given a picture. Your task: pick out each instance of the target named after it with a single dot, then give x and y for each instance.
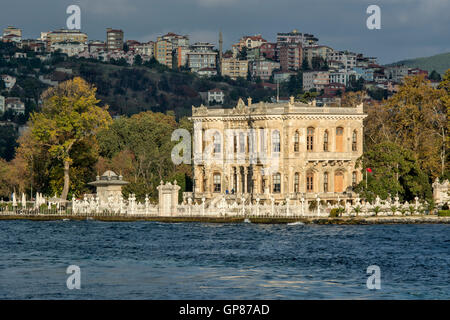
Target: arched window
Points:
(235, 143)
(296, 141)
(339, 139)
(276, 141)
(355, 141)
(296, 182)
(354, 181)
(310, 182)
(325, 141)
(277, 183)
(310, 139)
(217, 142)
(325, 182)
(217, 182)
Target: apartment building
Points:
(234, 68)
(310, 52)
(69, 48)
(15, 105)
(348, 59)
(396, 73)
(290, 56)
(268, 50)
(146, 49)
(249, 42)
(332, 89)
(263, 68)
(163, 52)
(96, 46)
(114, 39)
(180, 56)
(12, 34)
(295, 36)
(315, 80)
(64, 35)
(176, 39)
(213, 96)
(342, 76)
(201, 56)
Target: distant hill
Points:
(439, 62)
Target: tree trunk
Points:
(66, 180)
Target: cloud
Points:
(408, 27)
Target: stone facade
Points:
(168, 198)
(109, 187)
(441, 194)
(277, 150)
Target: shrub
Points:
(313, 205)
(444, 213)
(334, 213)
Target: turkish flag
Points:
(369, 170)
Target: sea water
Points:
(152, 260)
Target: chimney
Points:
(249, 101)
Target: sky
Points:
(409, 28)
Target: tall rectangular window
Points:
(276, 141)
(296, 182)
(354, 141)
(217, 182)
(309, 182)
(296, 141)
(325, 141)
(241, 143)
(310, 139)
(339, 139)
(325, 182)
(277, 183)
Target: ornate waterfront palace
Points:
(277, 151)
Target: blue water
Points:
(151, 260)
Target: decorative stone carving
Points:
(168, 198)
(441, 192)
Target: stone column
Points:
(168, 199)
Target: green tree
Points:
(8, 137)
(138, 60)
(305, 64)
(395, 170)
(434, 76)
(70, 115)
(140, 148)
